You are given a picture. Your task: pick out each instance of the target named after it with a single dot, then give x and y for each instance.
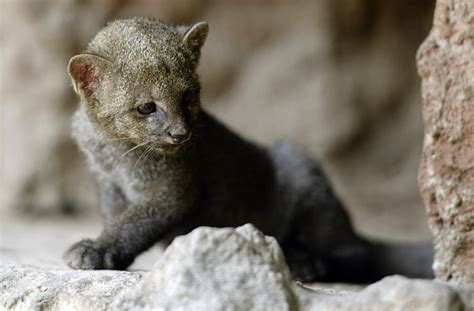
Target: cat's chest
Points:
(136, 171)
(148, 177)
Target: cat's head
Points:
(138, 80)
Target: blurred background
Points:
(337, 77)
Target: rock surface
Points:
(215, 269)
(33, 288)
(208, 269)
(394, 293)
(446, 177)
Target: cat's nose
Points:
(180, 136)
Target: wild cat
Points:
(165, 166)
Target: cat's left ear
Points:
(194, 38)
(86, 72)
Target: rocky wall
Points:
(446, 176)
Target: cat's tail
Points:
(413, 260)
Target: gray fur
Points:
(152, 188)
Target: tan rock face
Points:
(446, 176)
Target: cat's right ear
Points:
(86, 72)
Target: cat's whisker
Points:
(150, 151)
(130, 150)
(141, 155)
(116, 139)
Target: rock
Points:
(34, 288)
(216, 269)
(209, 269)
(393, 293)
(446, 176)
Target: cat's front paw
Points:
(89, 255)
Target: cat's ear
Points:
(194, 38)
(86, 72)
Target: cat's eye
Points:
(146, 108)
(186, 98)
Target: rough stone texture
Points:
(336, 76)
(216, 269)
(208, 269)
(33, 288)
(446, 176)
(393, 293)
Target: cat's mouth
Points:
(169, 149)
(169, 146)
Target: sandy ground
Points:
(41, 240)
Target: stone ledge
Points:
(215, 269)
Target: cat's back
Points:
(298, 174)
(238, 181)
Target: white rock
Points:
(34, 288)
(215, 269)
(219, 269)
(393, 293)
(208, 269)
